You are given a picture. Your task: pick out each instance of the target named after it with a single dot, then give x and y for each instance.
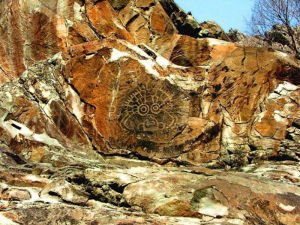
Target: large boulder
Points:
(109, 113)
(213, 30)
(236, 35)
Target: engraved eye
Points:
(155, 108)
(143, 109)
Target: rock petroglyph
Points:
(154, 112)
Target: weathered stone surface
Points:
(236, 35)
(65, 191)
(102, 92)
(185, 23)
(149, 194)
(160, 22)
(118, 4)
(188, 51)
(276, 38)
(212, 30)
(103, 19)
(14, 194)
(105, 104)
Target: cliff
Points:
(116, 112)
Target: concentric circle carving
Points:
(154, 112)
(143, 109)
(156, 108)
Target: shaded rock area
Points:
(212, 30)
(131, 112)
(186, 24)
(236, 35)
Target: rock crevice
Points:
(111, 112)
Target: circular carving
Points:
(155, 108)
(143, 109)
(156, 112)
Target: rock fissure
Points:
(89, 23)
(120, 111)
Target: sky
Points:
(227, 13)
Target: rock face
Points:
(236, 35)
(276, 38)
(213, 30)
(124, 191)
(97, 96)
(120, 78)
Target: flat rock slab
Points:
(113, 111)
(112, 194)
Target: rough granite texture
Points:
(117, 112)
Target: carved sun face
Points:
(153, 113)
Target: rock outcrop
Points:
(212, 30)
(277, 38)
(236, 35)
(123, 191)
(98, 96)
(119, 77)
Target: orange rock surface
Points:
(116, 111)
(120, 77)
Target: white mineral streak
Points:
(118, 24)
(138, 170)
(289, 86)
(136, 49)
(281, 54)
(186, 83)
(285, 87)
(77, 12)
(36, 196)
(260, 116)
(213, 42)
(279, 118)
(44, 138)
(273, 96)
(62, 29)
(75, 103)
(47, 108)
(8, 97)
(227, 134)
(236, 221)
(62, 7)
(205, 107)
(26, 132)
(116, 55)
(33, 5)
(149, 66)
(35, 178)
(163, 62)
(114, 94)
(69, 23)
(293, 171)
(287, 208)
(57, 57)
(87, 57)
(31, 90)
